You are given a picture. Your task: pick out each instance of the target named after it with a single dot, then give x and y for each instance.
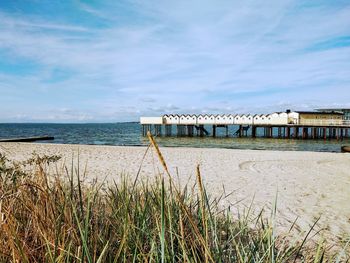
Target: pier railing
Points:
(337, 123)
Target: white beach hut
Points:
(201, 118)
(224, 119)
(237, 120)
(278, 118)
(206, 119)
(171, 119)
(188, 119)
(243, 119)
(259, 119)
(265, 119)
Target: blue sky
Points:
(105, 61)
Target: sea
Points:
(129, 134)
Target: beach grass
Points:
(57, 217)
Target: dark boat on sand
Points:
(345, 149)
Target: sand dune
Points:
(307, 184)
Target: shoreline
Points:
(173, 146)
(307, 184)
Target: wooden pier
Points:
(286, 132)
(288, 125)
(28, 139)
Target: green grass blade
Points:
(163, 221)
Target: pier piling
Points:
(288, 132)
(254, 131)
(168, 129)
(190, 129)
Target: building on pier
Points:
(224, 119)
(188, 119)
(279, 118)
(345, 111)
(244, 119)
(289, 124)
(310, 118)
(293, 117)
(318, 118)
(206, 119)
(260, 119)
(171, 119)
(152, 120)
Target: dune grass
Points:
(58, 218)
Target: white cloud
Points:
(199, 56)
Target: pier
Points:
(28, 139)
(288, 125)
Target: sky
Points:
(116, 60)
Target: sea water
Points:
(130, 134)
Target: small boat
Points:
(345, 149)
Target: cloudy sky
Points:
(106, 61)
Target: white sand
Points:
(309, 184)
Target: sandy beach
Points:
(307, 184)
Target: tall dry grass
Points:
(58, 218)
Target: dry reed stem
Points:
(207, 251)
(42, 217)
(203, 197)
